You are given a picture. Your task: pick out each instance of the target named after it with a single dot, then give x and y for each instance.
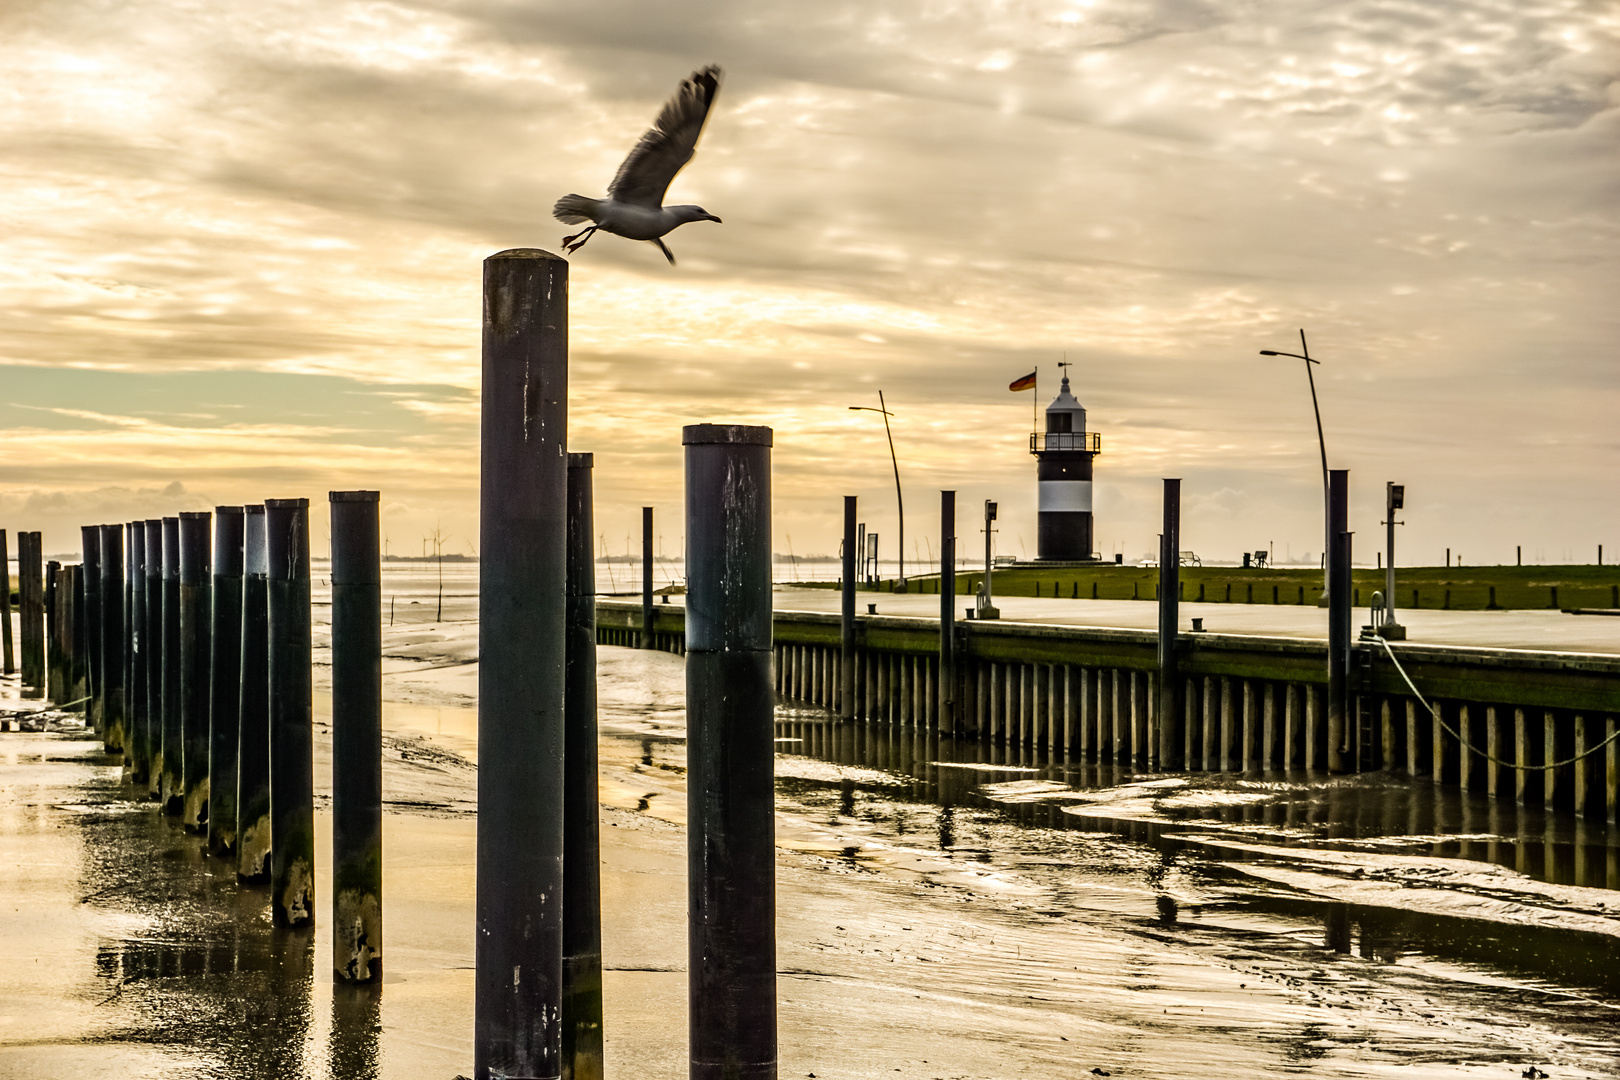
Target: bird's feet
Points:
(573, 243)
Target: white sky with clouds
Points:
(240, 247)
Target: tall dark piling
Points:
(292, 721)
(140, 728)
(53, 623)
(31, 611)
(947, 612)
(731, 846)
(171, 791)
(78, 647)
(152, 651)
(90, 561)
(224, 680)
(253, 708)
(113, 658)
(647, 636)
(8, 649)
(1339, 617)
(129, 644)
(582, 878)
(522, 579)
(357, 951)
(196, 622)
(1171, 721)
(846, 655)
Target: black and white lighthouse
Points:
(1064, 452)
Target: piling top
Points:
(526, 253)
(352, 496)
(194, 515)
(286, 504)
(581, 461)
(227, 509)
(725, 434)
(253, 508)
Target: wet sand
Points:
(939, 916)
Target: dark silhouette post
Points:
(292, 722)
(195, 654)
(582, 876)
(225, 681)
(647, 577)
(253, 734)
(8, 651)
(357, 939)
(731, 845)
(172, 793)
(1171, 738)
(140, 728)
(152, 651)
(31, 611)
(78, 673)
(846, 656)
(947, 612)
(90, 538)
(522, 579)
(53, 625)
(1339, 618)
(112, 638)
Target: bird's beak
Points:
(716, 220)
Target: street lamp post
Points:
(1327, 530)
(899, 499)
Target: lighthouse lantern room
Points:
(1063, 453)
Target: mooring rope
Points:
(1434, 710)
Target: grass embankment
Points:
(1461, 588)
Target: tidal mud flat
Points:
(944, 911)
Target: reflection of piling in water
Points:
(356, 1051)
(31, 611)
(292, 736)
(172, 792)
(356, 738)
(152, 651)
(112, 638)
(731, 909)
(140, 732)
(582, 886)
(90, 556)
(253, 709)
(522, 577)
(224, 680)
(195, 626)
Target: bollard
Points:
(171, 791)
(522, 577)
(128, 641)
(53, 624)
(224, 680)
(1171, 718)
(292, 722)
(140, 731)
(647, 577)
(113, 660)
(730, 802)
(947, 612)
(90, 538)
(152, 651)
(846, 661)
(253, 736)
(1339, 613)
(356, 738)
(582, 877)
(8, 652)
(31, 612)
(195, 653)
(78, 677)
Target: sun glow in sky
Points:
(241, 247)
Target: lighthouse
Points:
(1063, 453)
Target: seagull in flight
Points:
(635, 208)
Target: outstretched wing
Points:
(661, 153)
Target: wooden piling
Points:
(292, 782)
(225, 680)
(253, 706)
(196, 606)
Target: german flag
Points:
(1025, 383)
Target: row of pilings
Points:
(186, 642)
